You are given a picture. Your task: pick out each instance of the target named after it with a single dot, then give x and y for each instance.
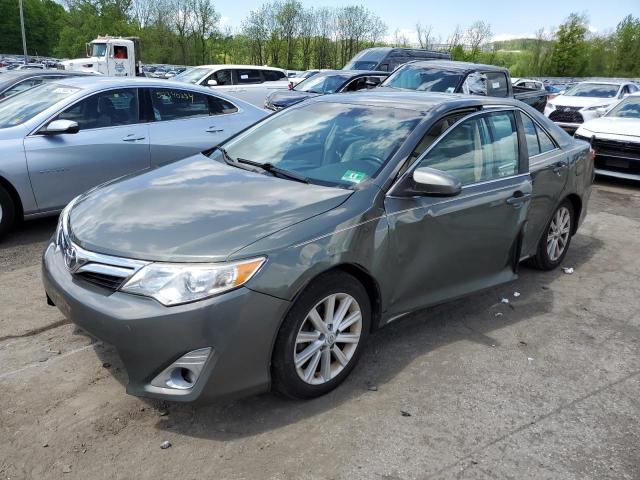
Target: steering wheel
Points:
(372, 160)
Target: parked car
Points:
(387, 59)
(18, 81)
(527, 83)
(332, 81)
(30, 66)
(293, 81)
(462, 77)
(250, 83)
(615, 138)
(174, 71)
(61, 138)
(581, 102)
(268, 261)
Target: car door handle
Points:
(132, 138)
(214, 130)
(518, 198)
(558, 167)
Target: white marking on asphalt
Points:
(51, 360)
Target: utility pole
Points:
(24, 38)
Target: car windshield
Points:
(414, 77)
(19, 108)
(335, 144)
(628, 108)
(193, 75)
(599, 90)
(322, 83)
(98, 49)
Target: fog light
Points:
(184, 372)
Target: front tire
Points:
(321, 337)
(7, 212)
(556, 238)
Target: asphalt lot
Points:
(546, 387)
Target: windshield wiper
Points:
(272, 169)
(228, 160)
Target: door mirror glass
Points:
(212, 83)
(61, 126)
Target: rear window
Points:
(413, 77)
(249, 76)
(273, 75)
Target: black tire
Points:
(285, 377)
(542, 260)
(7, 212)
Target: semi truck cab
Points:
(110, 56)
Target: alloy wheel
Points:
(558, 234)
(328, 338)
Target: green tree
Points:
(569, 55)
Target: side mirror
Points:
(601, 110)
(61, 126)
(212, 83)
(428, 182)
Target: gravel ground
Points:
(550, 389)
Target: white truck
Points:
(111, 56)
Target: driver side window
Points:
(479, 149)
(105, 109)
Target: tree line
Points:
(285, 33)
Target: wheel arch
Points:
(576, 203)
(15, 197)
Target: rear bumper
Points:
(240, 326)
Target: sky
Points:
(508, 19)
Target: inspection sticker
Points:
(353, 176)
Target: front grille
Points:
(566, 115)
(616, 155)
(102, 280)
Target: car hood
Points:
(614, 125)
(193, 210)
(569, 101)
(289, 97)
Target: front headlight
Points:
(63, 222)
(594, 107)
(550, 106)
(176, 283)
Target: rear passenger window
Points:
(479, 149)
(249, 76)
(537, 139)
(170, 104)
(273, 75)
(218, 106)
(497, 84)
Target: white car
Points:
(615, 137)
(250, 83)
(527, 83)
(586, 101)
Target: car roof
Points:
(417, 101)
(252, 67)
(350, 73)
(456, 65)
(14, 76)
(605, 82)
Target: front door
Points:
(447, 247)
(111, 143)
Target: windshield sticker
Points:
(495, 84)
(353, 176)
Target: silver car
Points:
(60, 139)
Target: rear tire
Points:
(555, 240)
(7, 212)
(321, 337)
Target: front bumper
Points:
(240, 326)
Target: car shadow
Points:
(388, 352)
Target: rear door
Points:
(111, 142)
(447, 247)
(549, 172)
(185, 122)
